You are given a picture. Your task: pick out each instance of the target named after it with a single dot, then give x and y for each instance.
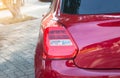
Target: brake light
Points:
(58, 43)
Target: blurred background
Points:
(19, 30)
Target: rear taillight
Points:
(58, 43)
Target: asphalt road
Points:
(18, 42)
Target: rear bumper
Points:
(59, 69)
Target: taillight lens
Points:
(58, 43)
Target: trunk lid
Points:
(98, 40)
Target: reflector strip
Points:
(66, 42)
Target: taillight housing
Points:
(58, 43)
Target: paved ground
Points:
(17, 45)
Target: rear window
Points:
(90, 6)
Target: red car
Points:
(79, 39)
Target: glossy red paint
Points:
(98, 41)
(90, 35)
(59, 69)
(110, 24)
(103, 55)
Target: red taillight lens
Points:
(58, 43)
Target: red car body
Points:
(78, 46)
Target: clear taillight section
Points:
(58, 43)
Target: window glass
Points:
(90, 6)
